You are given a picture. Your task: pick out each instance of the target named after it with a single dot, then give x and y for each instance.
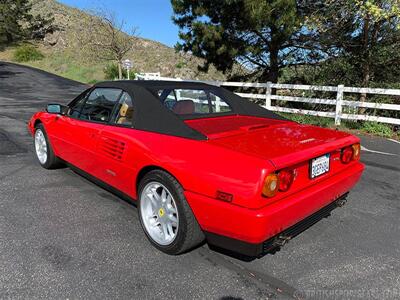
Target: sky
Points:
(152, 17)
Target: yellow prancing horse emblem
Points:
(161, 212)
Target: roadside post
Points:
(128, 66)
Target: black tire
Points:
(52, 161)
(189, 234)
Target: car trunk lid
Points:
(284, 143)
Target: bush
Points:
(111, 72)
(377, 129)
(180, 65)
(26, 53)
(306, 119)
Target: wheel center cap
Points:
(161, 212)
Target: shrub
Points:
(306, 119)
(27, 53)
(180, 65)
(111, 72)
(377, 129)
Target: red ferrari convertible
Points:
(201, 162)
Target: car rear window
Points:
(192, 101)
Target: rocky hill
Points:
(63, 54)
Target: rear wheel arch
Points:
(148, 169)
(188, 234)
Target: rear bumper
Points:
(251, 228)
(276, 241)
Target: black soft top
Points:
(151, 115)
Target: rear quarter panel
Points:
(199, 166)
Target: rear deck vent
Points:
(253, 127)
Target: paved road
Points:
(64, 237)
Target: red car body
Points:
(234, 160)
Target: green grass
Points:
(65, 65)
(374, 128)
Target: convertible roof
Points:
(151, 115)
(160, 83)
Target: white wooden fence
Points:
(339, 102)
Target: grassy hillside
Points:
(63, 54)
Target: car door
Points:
(116, 142)
(80, 128)
(96, 112)
(63, 131)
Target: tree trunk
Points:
(274, 66)
(9, 37)
(274, 71)
(365, 58)
(119, 70)
(274, 46)
(365, 61)
(374, 41)
(365, 79)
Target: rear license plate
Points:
(319, 166)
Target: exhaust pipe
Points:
(341, 201)
(281, 240)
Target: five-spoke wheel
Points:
(160, 214)
(43, 149)
(40, 146)
(165, 215)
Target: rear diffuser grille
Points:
(282, 238)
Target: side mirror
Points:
(54, 108)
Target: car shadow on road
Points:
(98, 183)
(242, 257)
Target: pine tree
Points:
(17, 22)
(264, 36)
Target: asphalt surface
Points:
(62, 236)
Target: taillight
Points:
(347, 155)
(356, 151)
(270, 187)
(285, 179)
(350, 153)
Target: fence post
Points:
(268, 95)
(339, 101)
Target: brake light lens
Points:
(285, 179)
(347, 155)
(350, 153)
(270, 187)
